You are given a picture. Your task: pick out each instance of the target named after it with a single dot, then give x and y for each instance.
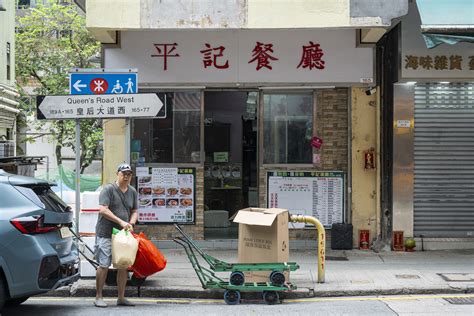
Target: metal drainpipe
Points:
(321, 241)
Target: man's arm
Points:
(107, 213)
(133, 216)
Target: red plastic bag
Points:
(149, 259)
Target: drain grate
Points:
(407, 276)
(457, 277)
(460, 300)
(333, 258)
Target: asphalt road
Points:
(386, 305)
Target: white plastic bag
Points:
(124, 249)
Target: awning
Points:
(446, 21)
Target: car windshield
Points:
(44, 197)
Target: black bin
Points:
(341, 236)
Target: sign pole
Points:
(78, 173)
(127, 141)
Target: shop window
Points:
(174, 139)
(288, 128)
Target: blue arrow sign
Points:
(102, 83)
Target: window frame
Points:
(261, 123)
(197, 90)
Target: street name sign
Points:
(60, 107)
(102, 83)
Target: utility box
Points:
(263, 237)
(341, 236)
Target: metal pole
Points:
(78, 173)
(47, 170)
(127, 140)
(321, 242)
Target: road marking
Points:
(379, 298)
(134, 299)
(299, 300)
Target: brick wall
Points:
(331, 124)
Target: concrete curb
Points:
(156, 292)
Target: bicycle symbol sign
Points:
(102, 83)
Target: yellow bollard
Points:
(321, 241)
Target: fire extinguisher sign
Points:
(364, 239)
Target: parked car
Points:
(37, 252)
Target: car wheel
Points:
(3, 292)
(16, 301)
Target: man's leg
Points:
(121, 283)
(100, 277)
(103, 255)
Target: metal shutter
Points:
(444, 160)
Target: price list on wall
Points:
(318, 194)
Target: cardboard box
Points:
(263, 237)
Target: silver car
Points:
(37, 253)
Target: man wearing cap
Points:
(118, 209)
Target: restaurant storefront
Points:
(433, 169)
(251, 118)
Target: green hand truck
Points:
(236, 283)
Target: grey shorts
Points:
(103, 251)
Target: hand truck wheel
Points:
(277, 278)
(271, 297)
(232, 297)
(237, 278)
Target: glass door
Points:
(230, 168)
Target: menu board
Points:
(166, 195)
(317, 193)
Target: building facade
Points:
(8, 93)
(265, 105)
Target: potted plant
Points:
(410, 244)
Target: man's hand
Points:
(126, 226)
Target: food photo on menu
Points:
(159, 190)
(144, 191)
(159, 202)
(172, 191)
(172, 203)
(144, 202)
(186, 202)
(144, 180)
(185, 191)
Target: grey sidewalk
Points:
(351, 272)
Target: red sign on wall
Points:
(398, 241)
(316, 142)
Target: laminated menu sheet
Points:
(316, 193)
(166, 195)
